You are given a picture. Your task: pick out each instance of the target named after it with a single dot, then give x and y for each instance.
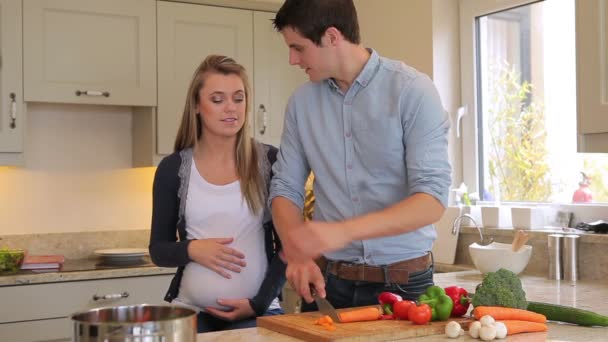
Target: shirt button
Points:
(348, 134)
(349, 166)
(355, 199)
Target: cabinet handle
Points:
(111, 296)
(13, 111)
(92, 93)
(263, 118)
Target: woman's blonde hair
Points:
(253, 185)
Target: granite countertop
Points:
(85, 269)
(582, 295)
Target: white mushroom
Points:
(452, 329)
(501, 330)
(487, 320)
(487, 332)
(474, 329)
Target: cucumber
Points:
(568, 314)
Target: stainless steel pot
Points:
(136, 323)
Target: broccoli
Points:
(500, 288)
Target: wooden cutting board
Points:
(302, 326)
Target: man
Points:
(374, 133)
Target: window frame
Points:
(469, 11)
(471, 168)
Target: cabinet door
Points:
(56, 300)
(11, 96)
(96, 52)
(274, 80)
(592, 74)
(187, 33)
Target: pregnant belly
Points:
(202, 287)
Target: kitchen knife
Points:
(325, 306)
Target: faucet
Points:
(456, 229)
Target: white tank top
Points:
(214, 211)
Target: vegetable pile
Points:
(10, 260)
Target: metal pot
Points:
(135, 323)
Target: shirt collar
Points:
(366, 74)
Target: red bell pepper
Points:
(386, 300)
(460, 298)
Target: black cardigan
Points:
(167, 251)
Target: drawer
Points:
(59, 300)
(37, 331)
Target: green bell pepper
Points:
(441, 304)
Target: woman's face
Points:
(222, 105)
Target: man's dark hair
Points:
(311, 18)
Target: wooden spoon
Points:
(519, 240)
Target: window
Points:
(523, 144)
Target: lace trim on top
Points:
(264, 166)
(184, 179)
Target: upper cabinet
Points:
(274, 79)
(592, 74)
(94, 52)
(11, 86)
(187, 33)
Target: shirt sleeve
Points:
(425, 138)
(291, 168)
(165, 249)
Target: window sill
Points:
(585, 237)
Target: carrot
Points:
(516, 327)
(499, 313)
(326, 322)
(360, 315)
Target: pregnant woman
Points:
(209, 215)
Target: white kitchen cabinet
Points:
(92, 52)
(592, 74)
(11, 86)
(274, 79)
(187, 33)
(41, 311)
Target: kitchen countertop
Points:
(85, 269)
(582, 295)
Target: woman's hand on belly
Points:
(238, 309)
(217, 256)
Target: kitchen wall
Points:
(77, 174)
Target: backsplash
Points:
(592, 256)
(77, 174)
(79, 245)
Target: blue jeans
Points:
(208, 323)
(343, 293)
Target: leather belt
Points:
(398, 272)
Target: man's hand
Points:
(240, 309)
(313, 238)
(302, 275)
(216, 255)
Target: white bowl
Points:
(497, 255)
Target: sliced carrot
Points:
(500, 313)
(326, 322)
(516, 327)
(360, 315)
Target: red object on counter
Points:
(460, 297)
(583, 193)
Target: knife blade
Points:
(325, 306)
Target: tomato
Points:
(401, 308)
(420, 314)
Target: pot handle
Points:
(97, 297)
